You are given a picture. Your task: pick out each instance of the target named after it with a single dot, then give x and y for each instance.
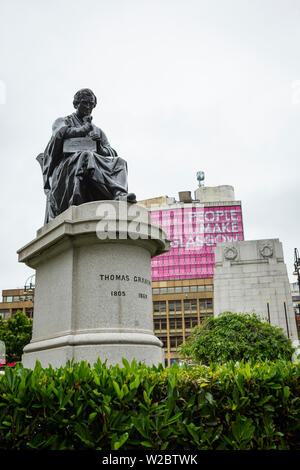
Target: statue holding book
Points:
(78, 164)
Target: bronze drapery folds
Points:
(85, 175)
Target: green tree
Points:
(16, 333)
(233, 336)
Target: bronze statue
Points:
(78, 164)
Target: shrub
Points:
(233, 406)
(236, 337)
(16, 333)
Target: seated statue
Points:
(79, 165)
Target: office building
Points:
(182, 279)
(16, 299)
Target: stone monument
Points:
(93, 294)
(251, 277)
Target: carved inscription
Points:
(125, 278)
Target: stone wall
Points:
(251, 277)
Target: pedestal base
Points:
(93, 295)
(111, 347)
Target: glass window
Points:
(159, 306)
(174, 306)
(200, 288)
(190, 305)
(155, 291)
(178, 290)
(171, 290)
(205, 304)
(163, 290)
(209, 288)
(175, 323)
(193, 288)
(9, 299)
(186, 289)
(175, 341)
(4, 313)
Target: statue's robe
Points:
(83, 176)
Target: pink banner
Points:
(194, 232)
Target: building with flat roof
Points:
(182, 279)
(17, 299)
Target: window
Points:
(4, 313)
(163, 340)
(29, 312)
(155, 291)
(175, 341)
(163, 290)
(15, 310)
(190, 305)
(159, 306)
(171, 290)
(200, 288)
(190, 323)
(160, 325)
(186, 289)
(175, 323)
(205, 304)
(209, 288)
(193, 288)
(178, 290)
(174, 306)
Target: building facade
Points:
(16, 299)
(296, 303)
(182, 279)
(251, 277)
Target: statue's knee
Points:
(122, 162)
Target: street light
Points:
(29, 284)
(297, 266)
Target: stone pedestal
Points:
(251, 277)
(93, 295)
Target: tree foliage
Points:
(236, 337)
(16, 333)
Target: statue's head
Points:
(84, 101)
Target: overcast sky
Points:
(182, 86)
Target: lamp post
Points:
(29, 289)
(297, 273)
(29, 284)
(297, 267)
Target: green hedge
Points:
(233, 406)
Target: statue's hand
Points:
(87, 119)
(94, 135)
(87, 127)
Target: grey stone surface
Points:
(215, 193)
(93, 296)
(257, 276)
